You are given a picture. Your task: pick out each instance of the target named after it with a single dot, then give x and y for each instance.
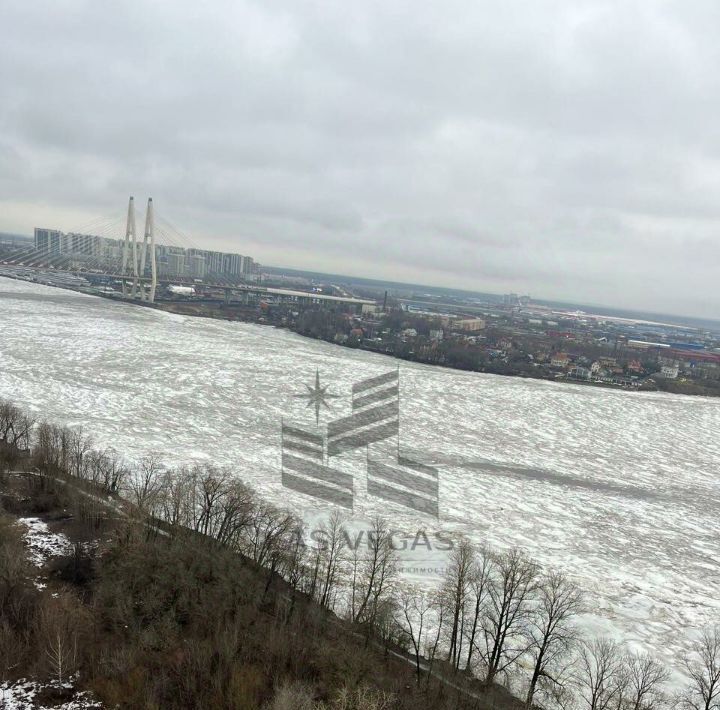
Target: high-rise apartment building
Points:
(197, 266)
(50, 241)
(107, 253)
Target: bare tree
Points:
(15, 431)
(292, 696)
(212, 485)
(335, 535)
(414, 608)
(61, 651)
(146, 483)
(315, 572)
(294, 562)
(236, 513)
(559, 601)
(363, 697)
(9, 417)
(600, 677)
(173, 500)
(703, 667)
(59, 625)
(509, 608)
(377, 574)
(80, 449)
(645, 679)
(353, 567)
(440, 608)
(479, 584)
(49, 454)
(455, 588)
(265, 529)
(107, 469)
(284, 540)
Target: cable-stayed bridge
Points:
(110, 247)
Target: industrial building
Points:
(468, 325)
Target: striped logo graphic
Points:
(375, 417)
(303, 469)
(406, 482)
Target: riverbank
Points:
(109, 600)
(523, 366)
(524, 370)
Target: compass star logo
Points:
(312, 457)
(317, 396)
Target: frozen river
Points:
(620, 490)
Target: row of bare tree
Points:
(503, 618)
(213, 503)
(496, 614)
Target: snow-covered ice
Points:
(620, 490)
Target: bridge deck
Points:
(240, 288)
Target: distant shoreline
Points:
(188, 308)
(201, 311)
(589, 309)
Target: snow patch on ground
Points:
(42, 543)
(20, 695)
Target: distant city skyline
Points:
(616, 310)
(88, 249)
(566, 149)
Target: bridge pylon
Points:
(149, 238)
(130, 251)
(134, 258)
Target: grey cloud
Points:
(567, 148)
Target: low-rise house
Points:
(608, 362)
(669, 372)
(635, 366)
(560, 360)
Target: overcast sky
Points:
(567, 149)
